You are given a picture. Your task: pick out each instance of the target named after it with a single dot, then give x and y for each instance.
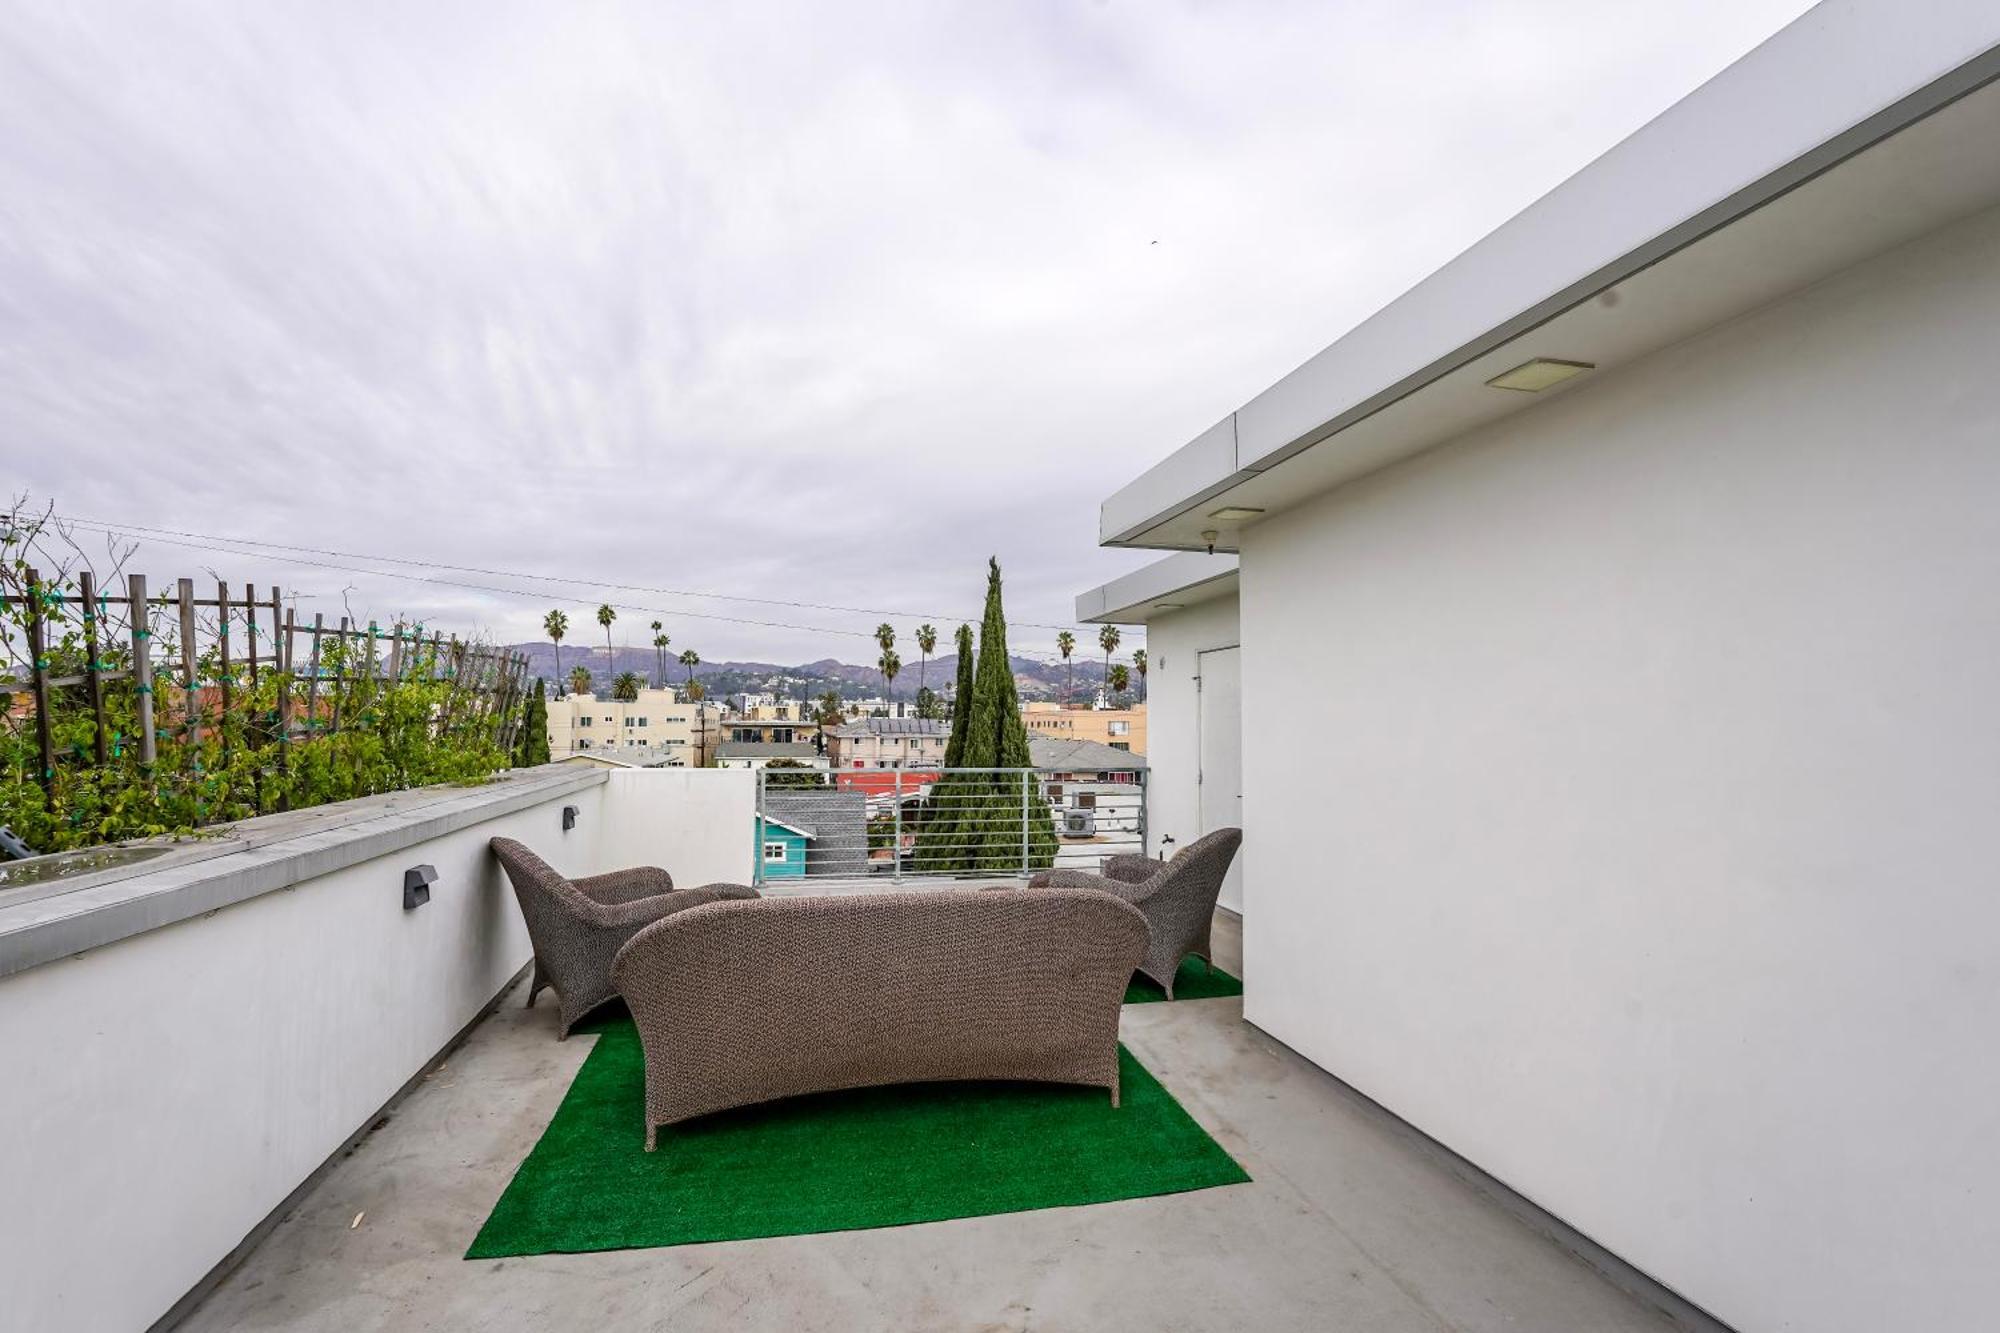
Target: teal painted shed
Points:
(782, 854)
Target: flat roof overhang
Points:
(1852, 131)
(1175, 583)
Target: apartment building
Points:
(889, 742)
(1119, 728)
(656, 720)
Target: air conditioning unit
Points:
(1079, 824)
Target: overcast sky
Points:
(811, 302)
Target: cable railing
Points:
(904, 825)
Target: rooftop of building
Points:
(1079, 756)
(893, 726)
(767, 750)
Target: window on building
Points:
(1121, 745)
(1085, 800)
(774, 852)
(1121, 728)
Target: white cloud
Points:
(819, 302)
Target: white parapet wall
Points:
(699, 823)
(167, 1087)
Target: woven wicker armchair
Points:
(1177, 896)
(746, 1002)
(578, 925)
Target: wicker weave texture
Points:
(745, 1002)
(1177, 897)
(578, 926)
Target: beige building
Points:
(1119, 728)
(889, 742)
(656, 720)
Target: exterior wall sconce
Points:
(417, 881)
(569, 818)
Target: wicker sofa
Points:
(746, 1002)
(1177, 897)
(578, 925)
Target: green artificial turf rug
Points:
(1193, 982)
(873, 1157)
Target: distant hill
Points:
(1036, 679)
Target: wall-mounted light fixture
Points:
(569, 818)
(417, 881)
(1539, 374)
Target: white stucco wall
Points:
(1174, 640)
(697, 823)
(160, 1095)
(1646, 856)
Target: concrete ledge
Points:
(258, 856)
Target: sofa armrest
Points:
(1083, 879)
(645, 911)
(624, 886)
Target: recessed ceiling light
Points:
(1234, 513)
(1538, 374)
(1168, 606)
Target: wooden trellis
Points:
(313, 698)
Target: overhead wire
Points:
(297, 555)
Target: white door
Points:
(1220, 721)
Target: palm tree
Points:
(579, 679)
(1117, 679)
(1107, 639)
(605, 615)
(691, 659)
(1066, 644)
(926, 645)
(1139, 665)
(626, 687)
(890, 665)
(555, 624)
(660, 642)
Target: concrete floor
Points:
(1350, 1224)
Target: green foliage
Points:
(625, 688)
(390, 735)
(974, 820)
(929, 705)
(792, 773)
(361, 735)
(533, 746)
(961, 706)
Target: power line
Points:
(235, 546)
(102, 525)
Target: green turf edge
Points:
(592, 1149)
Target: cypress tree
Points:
(961, 704)
(978, 815)
(533, 747)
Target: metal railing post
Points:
(757, 862)
(1145, 801)
(896, 834)
(1027, 780)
